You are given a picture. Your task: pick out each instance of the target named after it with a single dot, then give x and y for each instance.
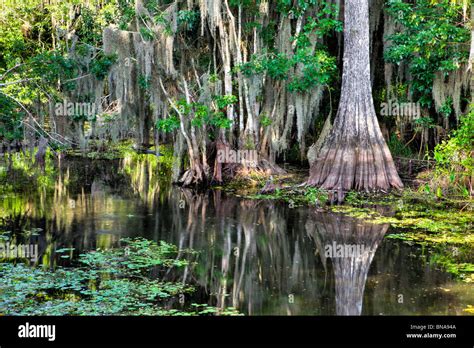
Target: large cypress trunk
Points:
(355, 155)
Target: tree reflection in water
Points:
(251, 252)
(252, 249)
(350, 269)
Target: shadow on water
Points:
(261, 257)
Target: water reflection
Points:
(262, 257)
(253, 254)
(351, 246)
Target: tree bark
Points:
(355, 155)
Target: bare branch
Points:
(16, 82)
(10, 70)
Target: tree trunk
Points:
(355, 155)
(471, 57)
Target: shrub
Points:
(455, 158)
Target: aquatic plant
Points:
(128, 280)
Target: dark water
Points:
(262, 257)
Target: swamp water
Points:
(259, 256)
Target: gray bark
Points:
(355, 155)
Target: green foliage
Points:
(398, 148)
(188, 19)
(160, 17)
(465, 133)
(126, 14)
(309, 196)
(434, 38)
(35, 46)
(454, 157)
(461, 270)
(276, 66)
(318, 69)
(51, 66)
(147, 34)
(40, 74)
(223, 101)
(218, 118)
(202, 115)
(296, 8)
(11, 116)
(317, 66)
(144, 82)
(107, 282)
(168, 125)
(424, 122)
(324, 22)
(137, 258)
(316, 196)
(265, 121)
(220, 121)
(28, 174)
(21, 27)
(268, 33)
(184, 107)
(447, 107)
(213, 78)
(102, 64)
(90, 30)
